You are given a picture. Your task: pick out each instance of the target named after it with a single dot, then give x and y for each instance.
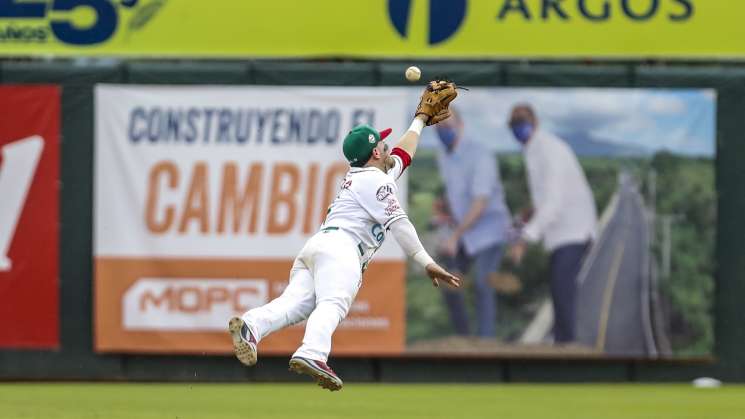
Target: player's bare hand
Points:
(437, 273)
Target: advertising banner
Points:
(29, 216)
(203, 198)
(374, 28)
(596, 237)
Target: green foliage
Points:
(425, 308)
(685, 191)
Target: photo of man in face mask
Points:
(563, 216)
(481, 219)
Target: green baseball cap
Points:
(360, 142)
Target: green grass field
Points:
(376, 401)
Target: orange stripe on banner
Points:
(183, 306)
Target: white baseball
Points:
(413, 73)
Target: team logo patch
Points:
(392, 207)
(371, 138)
(384, 192)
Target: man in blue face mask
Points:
(563, 216)
(475, 197)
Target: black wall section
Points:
(566, 75)
(315, 74)
(465, 74)
(77, 360)
(147, 72)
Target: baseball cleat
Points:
(322, 373)
(244, 342)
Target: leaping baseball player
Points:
(327, 273)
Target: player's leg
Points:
(486, 261)
(337, 278)
(293, 306)
(566, 262)
(455, 297)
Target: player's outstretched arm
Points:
(410, 140)
(406, 236)
(432, 108)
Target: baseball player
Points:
(327, 273)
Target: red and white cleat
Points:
(322, 373)
(244, 342)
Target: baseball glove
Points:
(435, 101)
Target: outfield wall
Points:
(75, 358)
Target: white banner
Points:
(205, 195)
(225, 171)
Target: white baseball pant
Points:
(324, 281)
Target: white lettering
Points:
(19, 161)
(190, 303)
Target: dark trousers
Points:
(485, 262)
(566, 262)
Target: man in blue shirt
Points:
(481, 221)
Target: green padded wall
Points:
(565, 75)
(147, 72)
(76, 359)
(464, 74)
(315, 73)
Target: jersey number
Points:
(377, 231)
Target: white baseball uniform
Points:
(327, 273)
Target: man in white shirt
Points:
(563, 217)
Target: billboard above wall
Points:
(374, 28)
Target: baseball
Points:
(413, 73)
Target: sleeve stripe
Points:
(403, 155)
(392, 219)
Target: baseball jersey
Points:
(367, 204)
